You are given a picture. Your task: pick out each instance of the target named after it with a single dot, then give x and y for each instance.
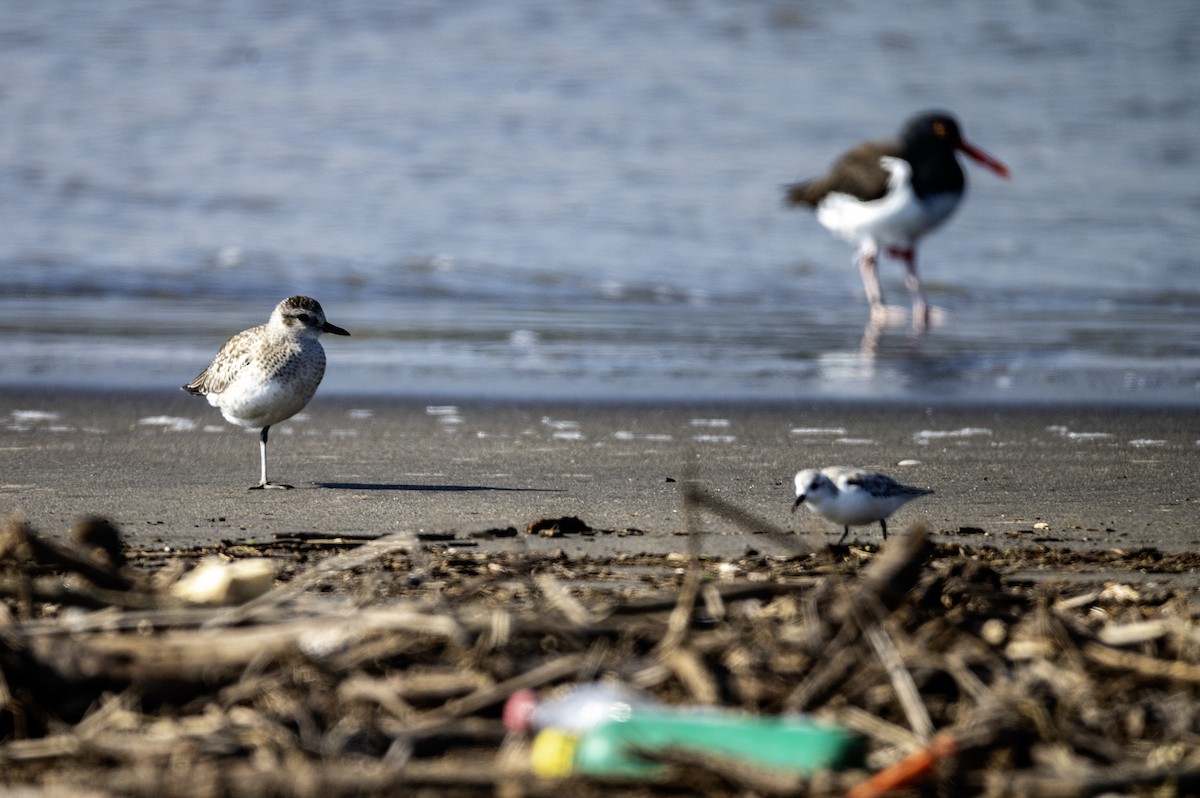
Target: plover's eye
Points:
(304, 317)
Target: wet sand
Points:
(169, 470)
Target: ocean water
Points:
(575, 199)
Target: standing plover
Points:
(852, 496)
(888, 194)
(268, 373)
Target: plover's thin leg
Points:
(845, 533)
(262, 446)
(912, 281)
(883, 526)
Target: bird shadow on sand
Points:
(430, 488)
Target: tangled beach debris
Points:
(382, 663)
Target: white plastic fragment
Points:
(215, 581)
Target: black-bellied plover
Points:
(268, 373)
(888, 194)
(852, 496)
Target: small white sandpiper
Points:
(852, 496)
(266, 374)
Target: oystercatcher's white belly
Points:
(898, 218)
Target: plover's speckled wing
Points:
(235, 355)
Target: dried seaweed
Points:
(966, 671)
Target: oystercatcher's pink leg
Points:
(868, 267)
(920, 307)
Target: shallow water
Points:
(573, 200)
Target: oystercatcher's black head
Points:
(931, 128)
(934, 136)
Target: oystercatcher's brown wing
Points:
(857, 173)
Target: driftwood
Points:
(101, 565)
(960, 680)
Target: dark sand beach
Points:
(170, 471)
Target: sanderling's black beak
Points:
(333, 328)
(799, 501)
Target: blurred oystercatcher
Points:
(888, 194)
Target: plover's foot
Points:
(271, 485)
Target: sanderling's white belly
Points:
(857, 508)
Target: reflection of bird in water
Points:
(888, 194)
(852, 496)
(266, 374)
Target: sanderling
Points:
(852, 496)
(268, 373)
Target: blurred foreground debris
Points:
(380, 666)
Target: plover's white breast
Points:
(259, 378)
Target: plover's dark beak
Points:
(333, 328)
(799, 501)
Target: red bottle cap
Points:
(518, 711)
